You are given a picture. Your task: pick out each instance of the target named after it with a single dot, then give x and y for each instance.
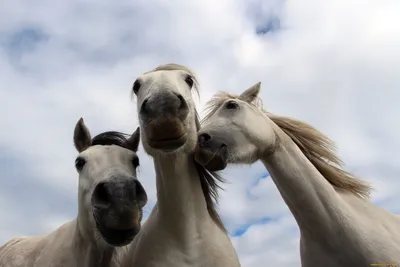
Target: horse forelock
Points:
(109, 138)
(219, 98)
(317, 147)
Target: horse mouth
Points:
(117, 237)
(212, 160)
(168, 144)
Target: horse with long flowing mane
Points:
(184, 228)
(110, 203)
(339, 226)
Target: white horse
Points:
(338, 225)
(183, 229)
(110, 202)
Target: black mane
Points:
(111, 138)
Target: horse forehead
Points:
(108, 152)
(248, 109)
(163, 77)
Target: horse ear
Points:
(82, 138)
(251, 93)
(134, 140)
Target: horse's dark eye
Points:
(80, 163)
(135, 161)
(189, 81)
(231, 105)
(136, 86)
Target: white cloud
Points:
(269, 244)
(333, 64)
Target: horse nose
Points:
(101, 198)
(166, 103)
(117, 202)
(118, 193)
(203, 139)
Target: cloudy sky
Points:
(334, 64)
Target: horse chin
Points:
(117, 237)
(166, 134)
(168, 145)
(212, 160)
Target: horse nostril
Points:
(183, 104)
(140, 193)
(203, 139)
(101, 197)
(144, 108)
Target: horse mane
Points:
(109, 138)
(209, 180)
(210, 184)
(318, 148)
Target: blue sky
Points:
(333, 64)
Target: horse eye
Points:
(136, 86)
(135, 161)
(231, 105)
(80, 163)
(189, 81)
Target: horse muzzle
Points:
(211, 153)
(117, 209)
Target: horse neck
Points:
(84, 229)
(92, 251)
(309, 196)
(180, 199)
(99, 258)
